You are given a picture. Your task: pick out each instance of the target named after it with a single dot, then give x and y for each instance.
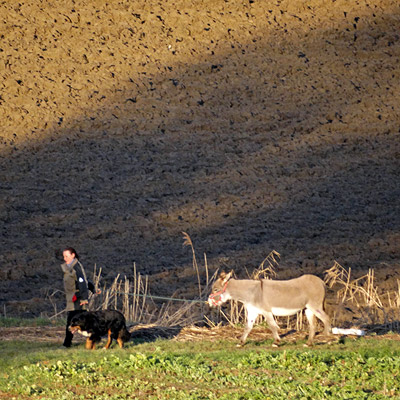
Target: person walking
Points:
(76, 289)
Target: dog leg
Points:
(109, 340)
(120, 342)
(89, 344)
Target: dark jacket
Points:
(75, 285)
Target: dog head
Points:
(84, 324)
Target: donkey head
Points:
(218, 294)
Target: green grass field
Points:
(363, 368)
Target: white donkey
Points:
(268, 298)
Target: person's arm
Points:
(91, 286)
(82, 285)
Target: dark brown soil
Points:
(252, 126)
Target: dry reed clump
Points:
(370, 307)
(133, 299)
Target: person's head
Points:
(69, 254)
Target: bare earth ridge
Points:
(252, 126)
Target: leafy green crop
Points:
(169, 370)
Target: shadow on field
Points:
(146, 334)
(383, 329)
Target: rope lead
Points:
(161, 297)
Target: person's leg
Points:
(68, 334)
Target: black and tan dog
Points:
(95, 324)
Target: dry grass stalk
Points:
(231, 321)
(209, 322)
(299, 321)
(188, 242)
(266, 271)
(50, 295)
(206, 268)
(188, 314)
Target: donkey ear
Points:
(226, 277)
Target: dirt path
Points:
(188, 334)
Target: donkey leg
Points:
(252, 315)
(323, 316)
(311, 322)
(274, 327)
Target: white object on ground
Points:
(352, 331)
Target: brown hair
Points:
(72, 251)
